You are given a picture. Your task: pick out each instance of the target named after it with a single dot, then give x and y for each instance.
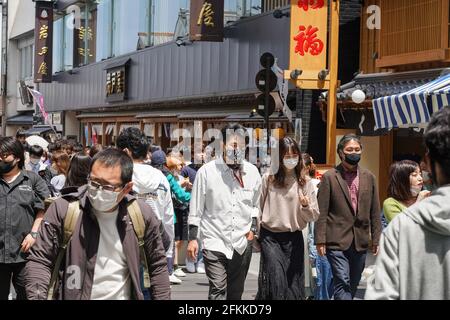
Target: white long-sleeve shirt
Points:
(222, 208)
(153, 183)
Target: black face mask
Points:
(6, 167)
(352, 159)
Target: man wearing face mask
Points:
(223, 212)
(22, 195)
(102, 259)
(414, 255)
(349, 218)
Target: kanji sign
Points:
(43, 42)
(307, 41)
(310, 4)
(116, 81)
(309, 26)
(84, 44)
(206, 20)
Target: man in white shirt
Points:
(223, 210)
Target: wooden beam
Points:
(445, 24)
(333, 62)
(412, 58)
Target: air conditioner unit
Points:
(24, 97)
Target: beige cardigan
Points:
(281, 210)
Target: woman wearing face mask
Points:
(22, 195)
(405, 188)
(60, 163)
(288, 203)
(171, 168)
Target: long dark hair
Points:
(399, 184)
(279, 178)
(78, 170)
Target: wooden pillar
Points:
(333, 53)
(386, 159)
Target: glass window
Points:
(68, 41)
(58, 45)
(164, 17)
(104, 30)
(26, 61)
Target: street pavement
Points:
(195, 286)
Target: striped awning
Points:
(413, 107)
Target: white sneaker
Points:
(179, 273)
(201, 268)
(190, 266)
(174, 280)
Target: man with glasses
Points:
(102, 260)
(22, 195)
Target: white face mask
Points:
(34, 161)
(290, 163)
(102, 200)
(415, 191)
(426, 176)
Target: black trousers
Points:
(16, 273)
(227, 277)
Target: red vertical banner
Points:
(43, 42)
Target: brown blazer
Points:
(338, 224)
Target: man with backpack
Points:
(103, 236)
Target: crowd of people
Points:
(112, 222)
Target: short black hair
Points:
(437, 140)
(134, 140)
(36, 151)
(346, 139)
(233, 127)
(52, 147)
(112, 157)
(154, 148)
(78, 148)
(21, 134)
(13, 146)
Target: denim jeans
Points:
(347, 267)
(324, 282)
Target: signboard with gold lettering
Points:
(207, 20)
(83, 52)
(116, 83)
(308, 43)
(43, 41)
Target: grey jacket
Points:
(77, 273)
(414, 259)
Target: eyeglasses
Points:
(5, 155)
(99, 186)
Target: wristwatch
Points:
(34, 234)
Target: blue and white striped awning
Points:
(413, 107)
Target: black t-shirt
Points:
(19, 203)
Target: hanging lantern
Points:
(258, 133)
(279, 133)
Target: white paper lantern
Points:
(358, 96)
